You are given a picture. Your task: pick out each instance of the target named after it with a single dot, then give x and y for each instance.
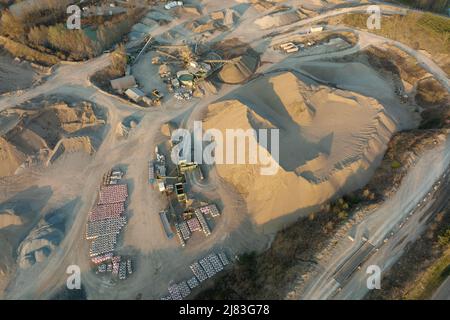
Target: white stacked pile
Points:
(202, 221)
(106, 211)
(115, 265)
(103, 245)
(207, 266)
(106, 220)
(193, 282)
(194, 224)
(214, 260)
(184, 229)
(223, 258)
(105, 227)
(180, 236)
(129, 268)
(199, 272)
(102, 258)
(184, 289)
(113, 194)
(174, 292)
(122, 270)
(214, 211)
(210, 209)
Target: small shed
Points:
(135, 94)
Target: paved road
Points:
(443, 292)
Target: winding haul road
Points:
(73, 79)
(400, 220)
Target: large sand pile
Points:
(328, 141)
(30, 135)
(353, 76)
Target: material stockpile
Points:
(113, 194)
(179, 234)
(102, 245)
(207, 266)
(174, 292)
(102, 258)
(106, 211)
(106, 220)
(210, 209)
(202, 221)
(179, 291)
(215, 262)
(105, 227)
(199, 272)
(203, 269)
(122, 270)
(194, 224)
(223, 258)
(193, 282)
(115, 265)
(184, 229)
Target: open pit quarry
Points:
(81, 131)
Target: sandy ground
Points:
(15, 75)
(333, 150)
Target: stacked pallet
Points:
(106, 211)
(215, 262)
(194, 224)
(202, 221)
(199, 272)
(207, 266)
(113, 194)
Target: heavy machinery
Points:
(156, 97)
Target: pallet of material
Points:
(102, 245)
(213, 210)
(215, 261)
(184, 229)
(106, 211)
(194, 224)
(203, 223)
(223, 258)
(184, 289)
(105, 227)
(113, 194)
(207, 266)
(115, 265)
(199, 272)
(174, 292)
(180, 236)
(122, 270)
(193, 282)
(102, 258)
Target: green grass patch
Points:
(432, 279)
